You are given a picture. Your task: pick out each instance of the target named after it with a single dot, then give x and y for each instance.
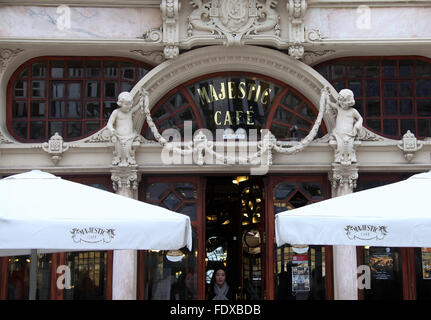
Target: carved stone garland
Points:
(201, 146)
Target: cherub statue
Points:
(348, 125)
(123, 129)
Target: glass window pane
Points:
(386, 273)
(110, 89)
(73, 110)
(18, 277)
(356, 87)
(19, 109)
(93, 90)
(127, 71)
(313, 190)
(74, 129)
(406, 89)
(291, 101)
(406, 68)
(390, 127)
(354, 69)
(371, 69)
(390, 107)
(38, 109)
(23, 73)
(92, 110)
(55, 127)
(390, 89)
(423, 273)
(373, 108)
(189, 209)
(38, 70)
(92, 69)
(74, 90)
(187, 191)
(338, 71)
(57, 90)
(389, 68)
(372, 88)
(423, 69)
(108, 107)
(75, 69)
(424, 107)
(37, 130)
(126, 86)
(91, 126)
(38, 89)
(281, 132)
(283, 190)
(374, 125)
(406, 106)
(20, 128)
(88, 276)
(172, 275)
(423, 88)
(57, 109)
(324, 71)
(20, 89)
(408, 124)
(424, 127)
(141, 72)
(57, 69)
(110, 69)
(156, 191)
(172, 201)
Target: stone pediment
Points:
(276, 23)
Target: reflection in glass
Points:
(88, 275)
(170, 280)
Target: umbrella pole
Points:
(33, 275)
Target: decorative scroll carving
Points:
(55, 147)
(233, 19)
(125, 178)
(296, 11)
(4, 139)
(343, 177)
(6, 56)
(154, 56)
(409, 145)
(153, 35)
(170, 15)
(312, 56)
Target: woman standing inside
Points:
(219, 289)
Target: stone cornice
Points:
(85, 3)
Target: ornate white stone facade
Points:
(183, 40)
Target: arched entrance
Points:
(235, 91)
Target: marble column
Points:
(343, 180)
(124, 276)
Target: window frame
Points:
(398, 116)
(46, 119)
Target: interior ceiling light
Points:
(240, 179)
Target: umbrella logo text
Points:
(366, 232)
(92, 235)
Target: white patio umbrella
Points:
(41, 211)
(394, 215)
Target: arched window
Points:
(73, 96)
(236, 100)
(393, 94)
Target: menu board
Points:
(426, 263)
(381, 264)
(300, 273)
